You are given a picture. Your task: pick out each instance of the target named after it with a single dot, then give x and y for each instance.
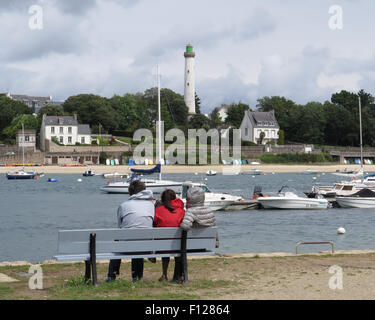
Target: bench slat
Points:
(133, 234)
(135, 246)
(109, 256)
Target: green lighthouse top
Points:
(189, 48)
(189, 51)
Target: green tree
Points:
(199, 121)
(235, 114)
(92, 109)
(281, 140)
(10, 109)
(197, 104)
(29, 122)
(215, 118)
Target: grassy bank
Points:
(289, 277)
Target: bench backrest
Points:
(75, 242)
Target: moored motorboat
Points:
(211, 173)
(89, 173)
(364, 198)
(289, 198)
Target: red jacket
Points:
(165, 218)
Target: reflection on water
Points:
(31, 213)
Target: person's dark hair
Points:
(166, 197)
(136, 186)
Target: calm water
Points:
(32, 212)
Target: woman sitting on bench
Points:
(169, 213)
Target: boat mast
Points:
(23, 149)
(360, 131)
(159, 122)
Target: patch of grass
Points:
(5, 290)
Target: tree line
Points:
(334, 122)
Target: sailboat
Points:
(22, 174)
(355, 174)
(156, 186)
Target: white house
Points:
(35, 103)
(65, 129)
(255, 122)
(26, 139)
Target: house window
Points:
(70, 130)
(53, 130)
(70, 140)
(27, 138)
(61, 139)
(246, 131)
(61, 130)
(82, 140)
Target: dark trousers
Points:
(177, 275)
(137, 268)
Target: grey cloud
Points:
(258, 24)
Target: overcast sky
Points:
(244, 49)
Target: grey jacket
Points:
(197, 215)
(137, 212)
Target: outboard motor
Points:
(257, 192)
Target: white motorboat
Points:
(156, 186)
(309, 171)
(213, 200)
(211, 173)
(348, 173)
(115, 175)
(89, 173)
(289, 198)
(343, 188)
(365, 198)
(253, 172)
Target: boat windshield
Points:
(289, 190)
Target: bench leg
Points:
(93, 258)
(184, 256)
(87, 271)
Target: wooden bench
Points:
(103, 244)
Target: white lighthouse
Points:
(189, 93)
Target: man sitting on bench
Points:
(136, 212)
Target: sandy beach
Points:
(269, 168)
(271, 276)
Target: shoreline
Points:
(266, 168)
(216, 256)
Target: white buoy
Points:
(314, 178)
(341, 230)
(196, 173)
(79, 180)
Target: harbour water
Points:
(32, 212)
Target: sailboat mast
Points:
(23, 147)
(159, 122)
(360, 131)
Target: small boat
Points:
(253, 172)
(89, 173)
(364, 198)
(115, 175)
(21, 175)
(52, 180)
(211, 173)
(289, 198)
(309, 171)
